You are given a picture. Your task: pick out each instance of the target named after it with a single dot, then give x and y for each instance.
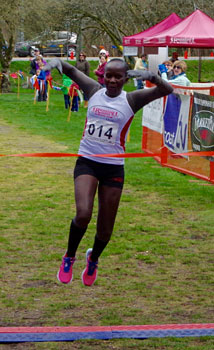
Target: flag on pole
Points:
(14, 75)
(20, 73)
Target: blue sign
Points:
(171, 117)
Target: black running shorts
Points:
(108, 174)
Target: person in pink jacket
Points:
(100, 71)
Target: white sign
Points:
(130, 50)
(153, 115)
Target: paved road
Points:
(50, 57)
(96, 58)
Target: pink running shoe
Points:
(89, 275)
(64, 274)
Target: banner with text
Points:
(202, 123)
(176, 118)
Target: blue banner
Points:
(176, 117)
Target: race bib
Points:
(101, 131)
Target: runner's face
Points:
(114, 78)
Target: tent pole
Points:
(199, 65)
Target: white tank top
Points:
(107, 123)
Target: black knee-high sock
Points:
(75, 236)
(98, 248)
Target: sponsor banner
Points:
(202, 123)
(153, 115)
(176, 118)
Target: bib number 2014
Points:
(101, 131)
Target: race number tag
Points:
(101, 131)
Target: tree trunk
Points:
(5, 83)
(6, 54)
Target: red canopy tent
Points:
(137, 39)
(195, 30)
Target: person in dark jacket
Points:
(33, 63)
(83, 65)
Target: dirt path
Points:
(14, 140)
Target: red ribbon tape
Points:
(113, 155)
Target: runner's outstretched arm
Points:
(139, 98)
(86, 84)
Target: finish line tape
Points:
(45, 334)
(113, 155)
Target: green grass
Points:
(158, 267)
(207, 67)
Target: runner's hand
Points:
(144, 75)
(54, 63)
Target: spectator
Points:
(66, 81)
(179, 76)
(83, 65)
(141, 64)
(169, 67)
(33, 63)
(35, 84)
(33, 79)
(73, 92)
(104, 53)
(174, 57)
(101, 70)
(39, 61)
(42, 79)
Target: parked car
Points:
(58, 43)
